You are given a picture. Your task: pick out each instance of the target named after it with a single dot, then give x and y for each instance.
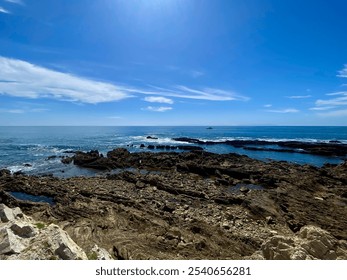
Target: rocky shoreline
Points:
(331, 149)
(193, 205)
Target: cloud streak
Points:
(299, 96)
(19, 2)
(22, 79)
(179, 91)
(284, 111)
(22, 111)
(158, 99)
(343, 72)
(336, 113)
(338, 101)
(322, 108)
(157, 109)
(197, 74)
(3, 10)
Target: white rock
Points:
(101, 253)
(63, 245)
(6, 214)
(20, 239)
(310, 243)
(9, 243)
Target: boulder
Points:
(5, 172)
(100, 253)
(310, 243)
(6, 214)
(22, 238)
(23, 230)
(119, 153)
(62, 245)
(9, 242)
(82, 158)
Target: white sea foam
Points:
(306, 140)
(16, 168)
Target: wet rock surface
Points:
(333, 148)
(184, 206)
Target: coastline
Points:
(194, 205)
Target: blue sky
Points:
(173, 62)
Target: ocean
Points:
(37, 150)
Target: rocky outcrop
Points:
(309, 244)
(194, 205)
(333, 148)
(23, 238)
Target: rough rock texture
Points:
(195, 205)
(309, 244)
(333, 148)
(23, 238)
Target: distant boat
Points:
(209, 127)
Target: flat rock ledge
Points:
(22, 238)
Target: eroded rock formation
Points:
(195, 205)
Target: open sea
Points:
(28, 149)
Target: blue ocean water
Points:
(27, 148)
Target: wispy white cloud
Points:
(322, 108)
(268, 105)
(22, 111)
(158, 99)
(343, 72)
(299, 96)
(337, 93)
(157, 109)
(187, 72)
(38, 110)
(336, 113)
(210, 94)
(3, 10)
(338, 101)
(12, 111)
(197, 74)
(19, 2)
(284, 111)
(22, 79)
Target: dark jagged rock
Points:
(67, 160)
(82, 158)
(118, 154)
(182, 147)
(5, 173)
(152, 137)
(333, 148)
